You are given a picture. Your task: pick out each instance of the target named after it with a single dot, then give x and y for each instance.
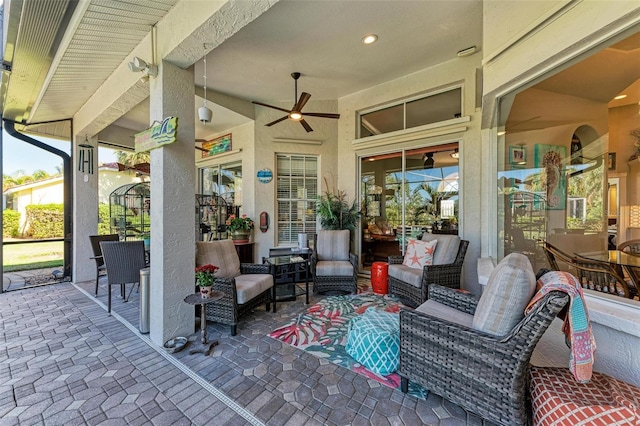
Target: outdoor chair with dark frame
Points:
(123, 260)
(633, 247)
(485, 374)
(97, 253)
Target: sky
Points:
(19, 155)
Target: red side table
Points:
(380, 277)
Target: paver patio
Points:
(63, 360)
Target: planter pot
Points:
(240, 237)
(205, 291)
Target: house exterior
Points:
(523, 43)
(50, 191)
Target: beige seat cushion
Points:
(504, 299)
(333, 245)
(406, 274)
(447, 248)
(249, 286)
(220, 253)
(334, 268)
(438, 310)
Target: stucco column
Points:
(172, 207)
(85, 209)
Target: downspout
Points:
(67, 191)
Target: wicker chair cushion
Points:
(220, 253)
(373, 339)
(557, 399)
(249, 286)
(406, 274)
(438, 310)
(419, 253)
(509, 290)
(333, 245)
(339, 268)
(447, 249)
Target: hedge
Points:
(45, 220)
(104, 227)
(10, 223)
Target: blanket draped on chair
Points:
(576, 327)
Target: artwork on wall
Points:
(216, 146)
(551, 158)
(518, 155)
(611, 164)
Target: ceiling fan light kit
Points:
(295, 113)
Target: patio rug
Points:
(322, 330)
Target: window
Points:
(297, 186)
(224, 180)
(414, 112)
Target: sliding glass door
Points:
(405, 194)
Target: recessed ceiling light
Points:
(620, 97)
(369, 39)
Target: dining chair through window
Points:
(123, 260)
(97, 253)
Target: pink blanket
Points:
(576, 323)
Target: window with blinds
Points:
(297, 186)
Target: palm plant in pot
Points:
(336, 212)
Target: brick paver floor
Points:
(63, 360)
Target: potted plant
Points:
(205, 276)
(336, 212)
(240, 228)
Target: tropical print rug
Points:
(322, 330)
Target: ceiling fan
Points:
(296, 113)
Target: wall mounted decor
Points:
(216, 146)
(611, 164)
(518, 155)
(550, 158)
(264, 175)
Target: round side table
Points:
(196, 299)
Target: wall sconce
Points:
(455, 154)
(148, 70)
(85, 157)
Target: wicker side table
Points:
(196, 299)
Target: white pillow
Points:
(419, 253)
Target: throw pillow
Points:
(419, 253)
(508, 292)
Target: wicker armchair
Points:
(333, 266)
(487, 375)
(245, 286)
(633, 247)
(123, 260)
(447, 275)
(97, 253)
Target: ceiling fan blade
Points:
(304, 98)
(322, 114)
(306, 126)
(277, 121)
(271, 106)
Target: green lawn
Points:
(20, 257)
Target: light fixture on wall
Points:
(204, 112)
(455, 154)
(428, 160)
(139, 65)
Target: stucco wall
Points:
(467, 133)
(288, 137)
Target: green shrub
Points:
(45, 220)
(104, 226)
(10, 223)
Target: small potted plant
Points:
(205, 276)
(240, 228)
